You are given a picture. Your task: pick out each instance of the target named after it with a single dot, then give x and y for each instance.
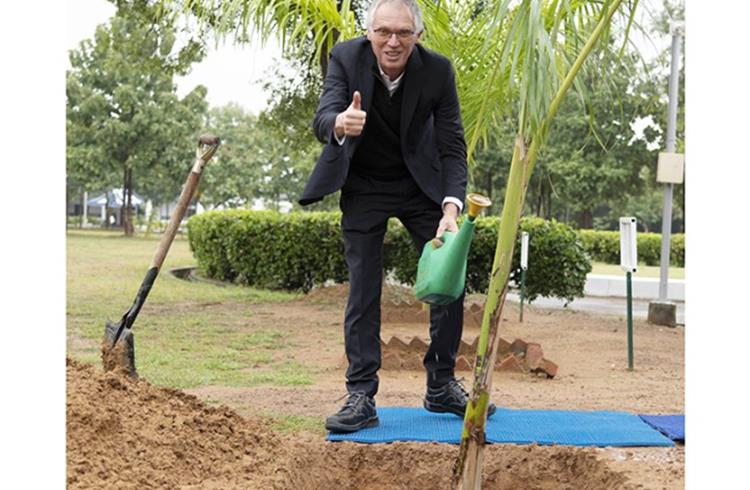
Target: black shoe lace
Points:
(354, 399)
(458, 383)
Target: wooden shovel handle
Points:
(207, 145)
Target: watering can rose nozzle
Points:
(477, 203)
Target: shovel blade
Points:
(118, 355)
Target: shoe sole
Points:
(372, 422)
(437, 408)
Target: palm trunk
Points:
(467, 471)
(469, 460)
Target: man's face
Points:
(392, 36)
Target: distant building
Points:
(108, 207)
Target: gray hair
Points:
(410, 4)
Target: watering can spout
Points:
(441, 272)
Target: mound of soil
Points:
(125, 433)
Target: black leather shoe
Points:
(452, 397)
(357, 413)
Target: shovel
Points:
(118, 348)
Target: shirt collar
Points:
(391, 85)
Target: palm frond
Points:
(296, 24)
(510, 56)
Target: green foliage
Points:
(125, 124)
(299, 250)
(592, 158)
(268, 249)
(296, 24)
(259, 160)
(604, 246)
(293, 424)
(558, 263)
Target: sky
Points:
(230, 73)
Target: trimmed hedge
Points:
(558, 263)
(298, 250)
(268, 249)
(604, 246)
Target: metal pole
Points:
(666, 222)
(524, 266)
(523, 290)
(629, 281)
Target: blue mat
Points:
(545, 427)
(672, 426)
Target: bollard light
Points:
(628, 246)
(629, 263)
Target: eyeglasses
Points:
(384, 34)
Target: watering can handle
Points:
(439, 241)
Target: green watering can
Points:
(441, 273)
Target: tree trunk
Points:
(323, 61)
(467, 473)
(586, 220)
(538, 211)
(129, 208)
(125, 212)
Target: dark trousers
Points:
(366, 205)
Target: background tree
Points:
(123, 114)
(258, 163)
(650, 84)
(670, 11)
(594, 157)
(594, 166)
(234, 178)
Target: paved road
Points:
(604, 305)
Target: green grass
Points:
(643, 270)
(290, 424)
(188, 333)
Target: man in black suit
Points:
(394, 145)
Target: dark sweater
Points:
(379, 153)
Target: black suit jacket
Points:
(432, 136)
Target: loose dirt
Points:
(125, 433)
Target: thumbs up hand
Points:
(352, 120)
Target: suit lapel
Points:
(413, 80)
(364, 82)
(365, 78)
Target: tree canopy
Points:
(258, 161)
(123, 114)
